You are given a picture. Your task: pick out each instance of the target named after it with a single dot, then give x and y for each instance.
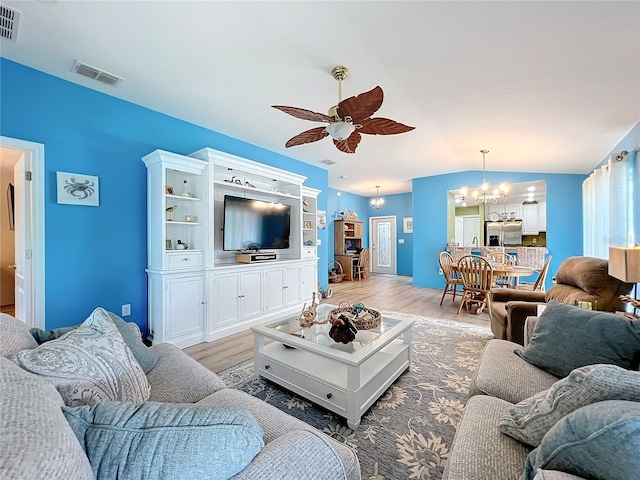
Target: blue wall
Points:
(96, 256)
(564, 217)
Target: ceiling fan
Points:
(347, 120)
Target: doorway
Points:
(383, 244)
(22, 267)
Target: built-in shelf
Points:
(191, 224)
(182, 198)
(254, 189)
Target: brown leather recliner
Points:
(578, 278)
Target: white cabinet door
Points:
(309, 281)
(514, 210)
(227, 299)
(542, 216)
(498, 208)
(184, 306)
(275, 289)
(530, 220)
(292, 286)
(251, 295)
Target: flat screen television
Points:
(251, 224)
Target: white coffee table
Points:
(345, 379)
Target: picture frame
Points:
(168, 190)
(78, 189)
(407, 225)
(321, 219)
(168, 245)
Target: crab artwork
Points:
(78, 189)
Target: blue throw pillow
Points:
(567, 337)
(165, 441)
(146, 357)
(601, 440)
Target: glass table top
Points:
(319, 334)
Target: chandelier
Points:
(484, 194)
(378, 201)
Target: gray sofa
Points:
(38, 443)
(480, 451)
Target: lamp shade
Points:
(624, 263)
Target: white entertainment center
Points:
(197, 290)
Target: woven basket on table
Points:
(365, 323)
(335, 277)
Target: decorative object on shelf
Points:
(308, 243)
(407, 225)
(168, 190)
(349, 215)
(168, 245)
(170, 211)
(77, 189)
(347, 120)
(190, 218)
(307, 224)
(361, 317)
(305, 202)
(249, 184)
(182, 245)
(322, 220)
(185, 189)
(308, 316)
(235, 180)
(336, 274)
(378, 201)
(484, 194)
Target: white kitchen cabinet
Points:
(498, 208)
(514, 210)
(177, 308)
(542, 216)
(309, 281)
(530, 224)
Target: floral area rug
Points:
(408, 432)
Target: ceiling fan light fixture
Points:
(340, 130)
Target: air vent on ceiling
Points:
(9, 21)
(326, 161)
(96, 74)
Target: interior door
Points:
(383, 245)
(22, 199)
(471, 231)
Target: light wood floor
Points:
(381, 292)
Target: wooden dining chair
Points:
(362, 267)
(540, 281)
(501, 258)
(477, 277)
(451, 278)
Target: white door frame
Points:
(36, 152)
(394, 240)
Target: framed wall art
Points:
(407, 225)
(78, 189)
(322, 219)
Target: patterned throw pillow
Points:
(531, 419)
(89, 365)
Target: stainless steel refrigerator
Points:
(503, 233)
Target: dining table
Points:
(505, 270)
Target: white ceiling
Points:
(545, 86)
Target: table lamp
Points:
(624, 264)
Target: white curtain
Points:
(608, 207)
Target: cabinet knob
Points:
(286, 286)
(203, 303)
(267, 367)
(185, 259)
(329, 395)
(240, 296)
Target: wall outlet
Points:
(535, 240)
(126, 310)
(401, 240)
(440, 272)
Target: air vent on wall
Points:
(327, 161)
(96, 74)
(9, 21)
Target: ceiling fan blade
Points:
(349, 144)
(304, 114)
(308, 136)
(383, 126)
(361, 106)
